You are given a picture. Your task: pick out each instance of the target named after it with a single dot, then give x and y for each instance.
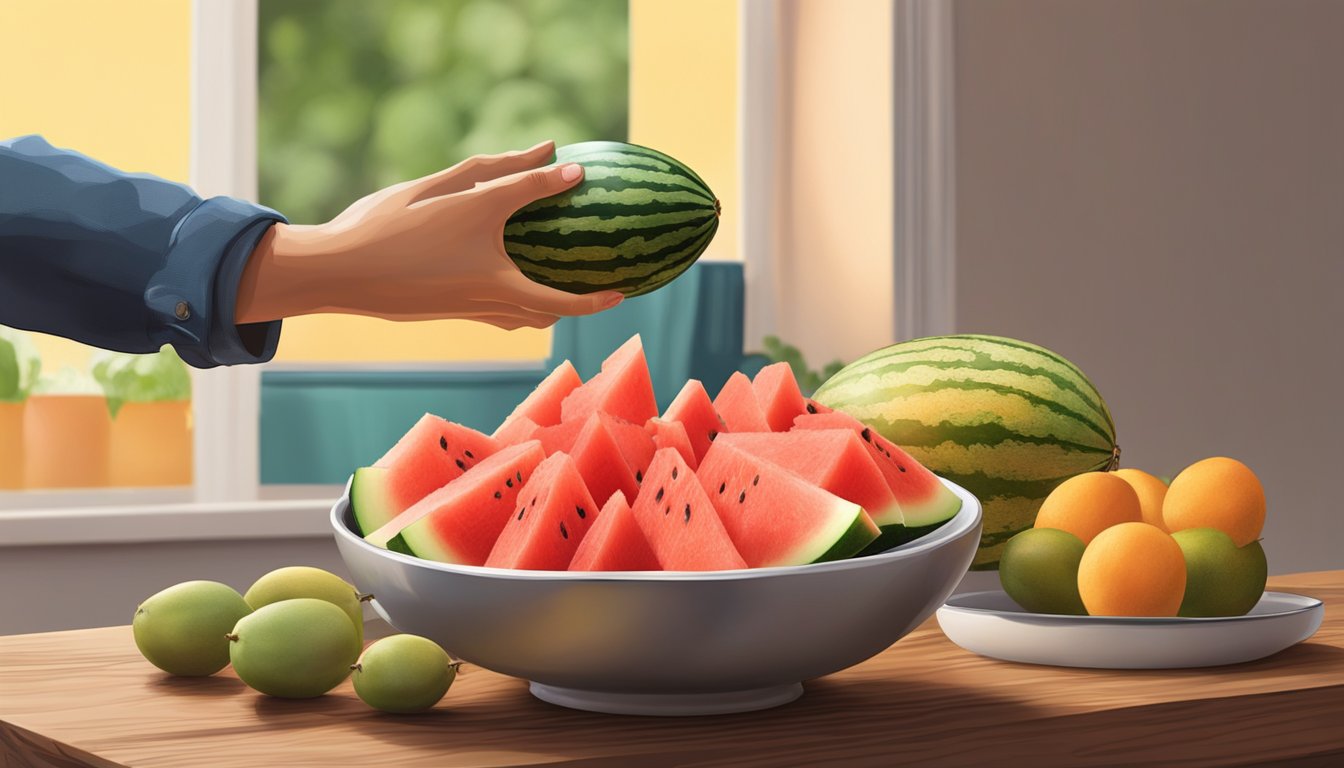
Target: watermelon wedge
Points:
(554, 512)
(777, 392)
(560, 438)
(833, 459)
(615, 542)
(598, 457)
(672, 434)
(679, 520)
(434, 452)
(517, 430)
(925, 502)
(460, 522)
(542, 405)
(622, 388)
(775, 517)
(694, 410)
(738, 407)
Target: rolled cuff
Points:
(191, 300)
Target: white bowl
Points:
(991, 624)
(663, 642)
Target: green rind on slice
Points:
(942, 507)
(370, 500)
(420, 541)
(857, 534)
(896, 535)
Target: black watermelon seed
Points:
(688, 513)
(563, 532)
(674, 473)
(741, 497)
(756, 480)
(898, 466)
(520, 512)
(639, 476)
(659, 495)
(811, 408)
(534, 501)
(582, 513)
(867, 435)
(443, 443)
(668, 511)
(498, 495)
(461, 466)
(508, 482)
(712, 435)
(519, 475)
(469, 454)
(722, 486)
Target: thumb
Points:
(510, 193)
(534, 296)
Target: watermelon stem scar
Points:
(1115, 459)
(718, 208)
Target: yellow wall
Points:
(111, 80)
(683, 95)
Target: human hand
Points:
(426, 249)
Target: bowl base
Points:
(668, 704)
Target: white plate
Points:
(991, 624)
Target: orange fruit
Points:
(1150, 490)
(1132, 569)
(1088, 504)
(1217, 493)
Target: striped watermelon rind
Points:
(637, 220)
(1006, 419)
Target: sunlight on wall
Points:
(683, 95)
(111, 80)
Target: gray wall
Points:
(1155, 189)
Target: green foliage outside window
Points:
(356, 95)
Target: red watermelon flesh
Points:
(460, 522)
(615, 542)
(542, 405)
(434, 452)
(777, 392)
(553, 513)
(834, 459)
(622, 388)
(924, 500)
(693, 409)
(597, 455)
(679, 521)
(777, 518)
(672, 434)
(635, 443)
(560, 437)
(737, 405)
(518, 429)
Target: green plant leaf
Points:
(161, 376)
(20, 365)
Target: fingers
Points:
(516, 320)
(536, 297)
(506, 195)
(482, 168)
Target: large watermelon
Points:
(1005, 419)
(637, 220)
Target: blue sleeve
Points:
(122, 261)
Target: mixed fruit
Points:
(1124, 543)
(297, 633)
(589, 476)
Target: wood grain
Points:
(88, 698)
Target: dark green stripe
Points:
(591, 238)
(607, 209)
(667, 253)
(571, 203)
(636, 149)
(672, 168)
(659, 276)
(987, 487)
(911, 433)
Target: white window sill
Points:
(274, 518)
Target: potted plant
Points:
(20, 366)
(149, 402)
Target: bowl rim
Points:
(964, 521)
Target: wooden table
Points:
(87, 698)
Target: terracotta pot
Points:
(11, 445)
(65, 441)
(150, 444)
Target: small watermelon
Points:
(622, 388)
(542, 405)
(679, 521)
(554, 512)
(597, 455)
(694, 410)
(778, 394)
(434, 452)
(737, 405)
(518, 429)
(925, 502)
(775, 517)
(637, 220)
(672, 434)
(615, 542)
(460, 522)
(833, 459)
